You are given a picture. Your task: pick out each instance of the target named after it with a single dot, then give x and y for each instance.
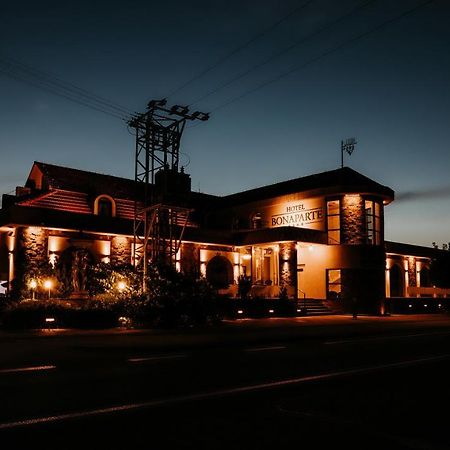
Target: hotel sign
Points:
(305, 214)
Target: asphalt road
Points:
(308, 382)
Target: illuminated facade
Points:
(319, 237)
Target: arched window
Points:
(105, 206)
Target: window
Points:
(372, 214)
(257, 221)
(333, 222)
(334, 284)
(265, 266)
(104, 206)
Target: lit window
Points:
(334, 284)
(265, 266)
(372, 215)
(333, 222)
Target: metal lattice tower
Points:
(159, 224)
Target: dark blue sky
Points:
(390, 89)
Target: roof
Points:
(339, 180)
(344, 180)
(76, 180)
(412, 250)
(69, 179)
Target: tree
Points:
(440, 270)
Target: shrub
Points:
(177, 299)
(172, 299)
(29, 314)
(244, 286)
(32, 314)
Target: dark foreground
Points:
(294, 383)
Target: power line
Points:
(323, 55)
(60, 94)
(56, 86)
(283, 51)
(51, 78)
(241, 47)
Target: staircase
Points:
(313, 307)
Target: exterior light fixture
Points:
(50, 322)
(271, 311)
(124, 321)
(240, 311)
(33, 286)
(121, 285)
(48, 285)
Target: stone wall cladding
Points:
(33, 242)
(352, 220)
(31, 254)
(412, 275)
(120, 250)
(288, 265)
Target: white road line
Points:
(27, 369)
(219, 393)
(263, 349)
(156, 358)
(386, 338)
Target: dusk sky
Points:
(387, 86)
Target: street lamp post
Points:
(33, 286)
(48, 286)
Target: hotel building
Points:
(319, 237)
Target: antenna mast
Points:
(347, 146)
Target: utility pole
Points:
(347, 146)
(159, 221)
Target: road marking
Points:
(156, 358)
(219, 393)
(27, 369)
(385, 338)
(263, 349)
